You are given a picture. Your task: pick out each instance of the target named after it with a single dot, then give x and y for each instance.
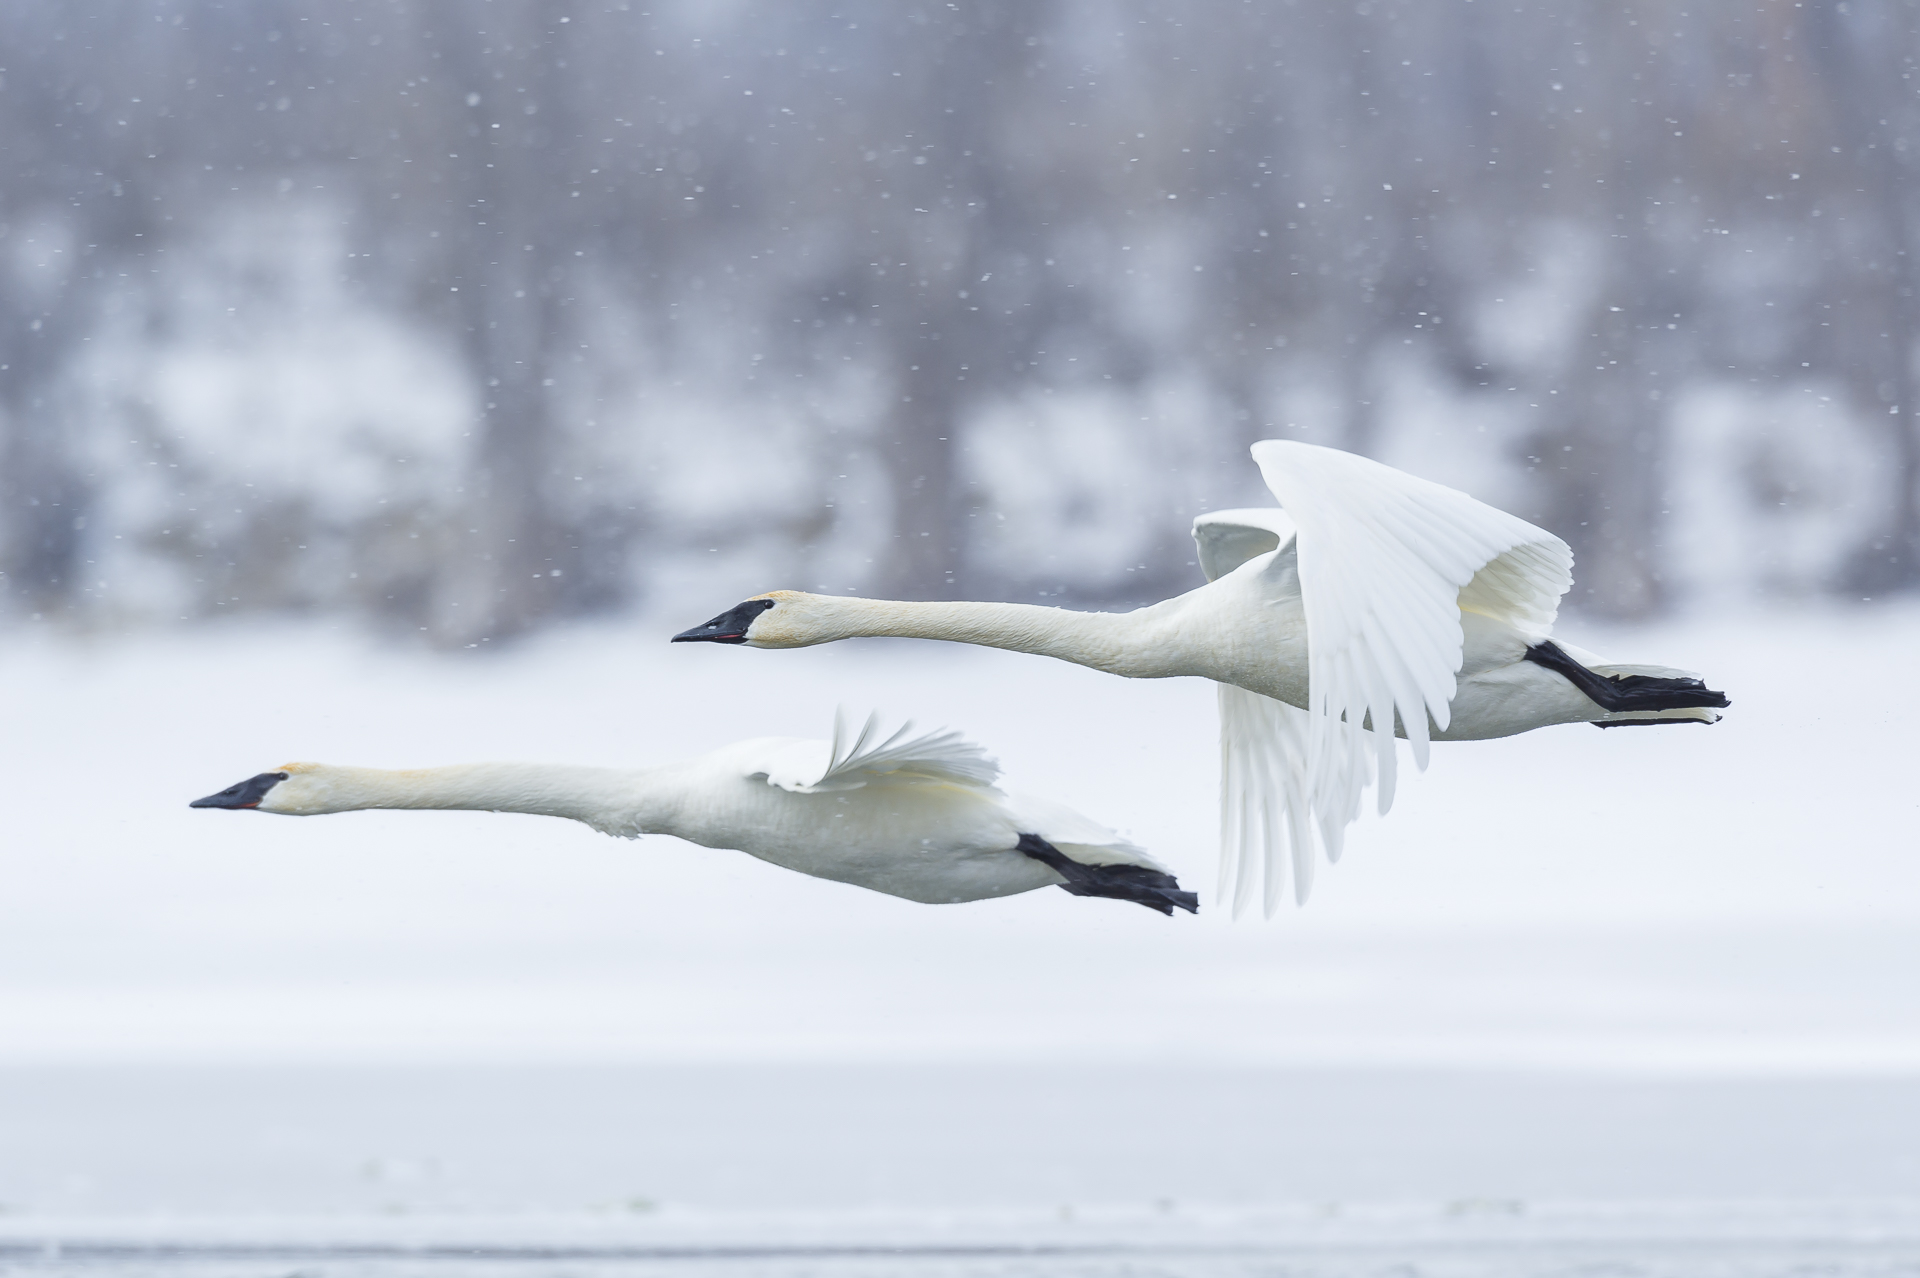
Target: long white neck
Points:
(615, 801)
(1119, 643)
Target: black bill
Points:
(729, 627)
(247, 794)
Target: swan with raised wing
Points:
(1371, 596)
(911, 816)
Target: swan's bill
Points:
(246, 794)
(730, 626)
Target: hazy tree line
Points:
(926, 298)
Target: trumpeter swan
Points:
(1373, 596)
(912, 816)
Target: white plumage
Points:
(1373, 598)
(1389, 566)
(1382, 573)
(914, 816)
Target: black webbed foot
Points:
(1627, 692)
(1152, 888)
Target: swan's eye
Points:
(730, 626)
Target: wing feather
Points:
(1267, 822)
(855, 759)
(1386, 562)
(1266, 819)
(1228, 538)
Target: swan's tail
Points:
(1155, 889)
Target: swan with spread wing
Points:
(914, 816)
(1369, 597)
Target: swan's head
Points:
(292, 788)
(778, 619)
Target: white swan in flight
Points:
(912, 816)
(1372, 596)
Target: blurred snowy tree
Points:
(470, 316)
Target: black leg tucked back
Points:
(1136, 883)
(1627, 692)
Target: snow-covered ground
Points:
(1671, 968)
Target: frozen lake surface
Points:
(951, 1170)
(1699, 1244)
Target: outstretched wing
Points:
(1386, 563)
(1266, 803)
(855, 759)
(1265, 809)
(1228, 538)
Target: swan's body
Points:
(913, 817)
(1372, 592)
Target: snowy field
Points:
(1627, 1002)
